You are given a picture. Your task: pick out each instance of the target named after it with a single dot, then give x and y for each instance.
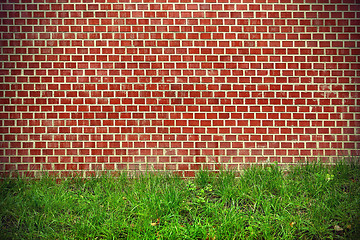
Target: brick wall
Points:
(89, 85)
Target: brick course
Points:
(89, 85)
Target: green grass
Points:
(312, 201)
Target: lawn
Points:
(311, 201)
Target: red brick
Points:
(127, 82)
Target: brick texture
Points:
(129, 85)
